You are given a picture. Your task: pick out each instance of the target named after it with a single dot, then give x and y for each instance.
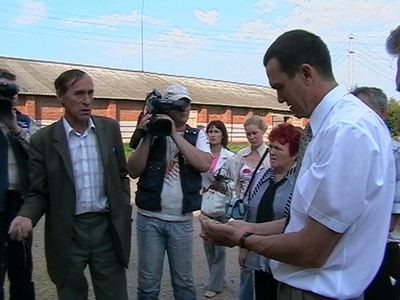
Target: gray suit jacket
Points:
(52, 191)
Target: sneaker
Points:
(210, 294)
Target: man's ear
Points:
(307, 72)
(383, 113)
(59, 97)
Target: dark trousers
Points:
(287, 292)
(15, 257)
(266, 286)
(386, 284)
(93, 246)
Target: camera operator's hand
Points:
(167, 117)
(9, 118)
(144, 122)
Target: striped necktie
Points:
(304, 141)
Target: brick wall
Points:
(47, 109)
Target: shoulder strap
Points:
(255, 172)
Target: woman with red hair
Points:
(269, 199)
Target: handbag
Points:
(214, 202)
(236, 208)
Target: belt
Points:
(392, 245)
(94, 213)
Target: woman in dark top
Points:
(269, 199)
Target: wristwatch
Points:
(242, 242)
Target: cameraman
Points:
(16, 129)
(168, 191)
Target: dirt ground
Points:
(45, 289)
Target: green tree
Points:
(393, 119)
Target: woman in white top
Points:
(245, 162)
(221, 165)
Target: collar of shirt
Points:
(261, 149)
(69, 129)
(324, 107)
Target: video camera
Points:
(7, 93)
(156, 104)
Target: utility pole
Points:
(141, 31)
(350, 54)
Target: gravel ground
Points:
(45, 289)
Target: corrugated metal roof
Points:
(36, 78)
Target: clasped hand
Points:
(20, 228)
(222, 234)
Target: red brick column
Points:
(112, 110)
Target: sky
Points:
(212, 39)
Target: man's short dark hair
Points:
(7, 75)
(393, 42)
(66, 79)
(376, 96)
(296, 47)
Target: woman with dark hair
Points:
(221, 165)
(269, 199)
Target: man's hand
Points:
(9, 118)
(240, 225)
(220, 234)
(144, 121)
(167, 117)
(20, 228)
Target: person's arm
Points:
(138, 159)
(236, 164)
(20, 228)
(34, 207)
(309, 247)
(20, 134)
(394, 220)
(266, 228)
(197, 158)
(121, 159)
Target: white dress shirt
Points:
(346, 183)
(88, 169)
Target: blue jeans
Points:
(154, 237)
(246, 288)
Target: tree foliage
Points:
(393, 119)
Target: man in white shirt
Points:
(386, 284)
(344, 190)
(168, 165)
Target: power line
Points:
(372, 69)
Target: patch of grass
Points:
(235, 147)
(127, 150)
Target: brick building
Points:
(120, 94)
